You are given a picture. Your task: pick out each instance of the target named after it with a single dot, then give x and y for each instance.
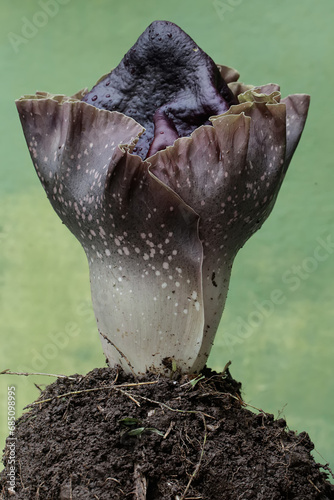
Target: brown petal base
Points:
(196, 442)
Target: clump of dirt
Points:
(108, 435)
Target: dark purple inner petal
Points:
(167, 84)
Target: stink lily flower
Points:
(162, 212)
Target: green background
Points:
(284, 357)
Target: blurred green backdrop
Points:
(282, 354)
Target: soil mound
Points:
(108, 435)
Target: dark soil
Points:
(104, 436)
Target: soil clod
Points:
(109, 436)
